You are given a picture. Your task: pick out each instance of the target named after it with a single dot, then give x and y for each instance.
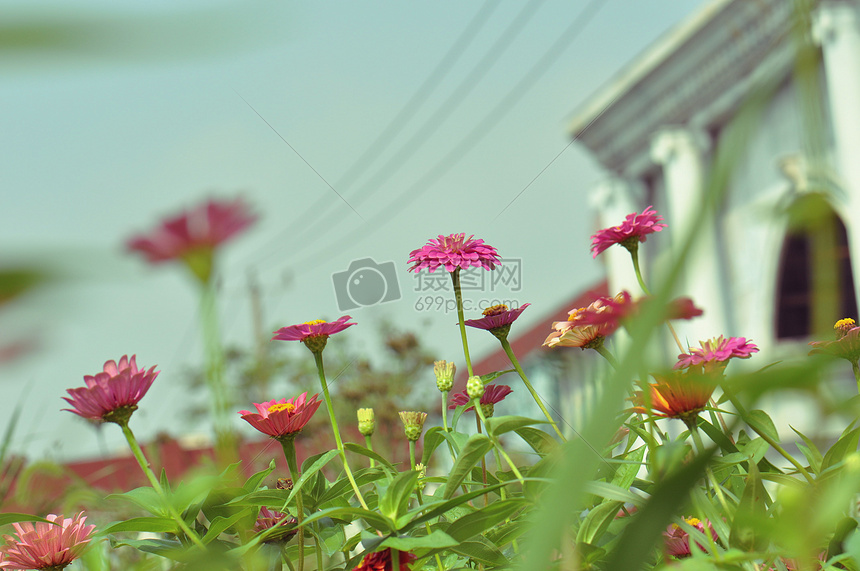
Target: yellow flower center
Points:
(315, 322)
(575, 313)
(692, 521)
(842, 323)
(278, 407)
(495, 310)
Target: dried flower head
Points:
(452, 252)
(112, 395)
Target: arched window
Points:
(815, 286)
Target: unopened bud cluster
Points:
(444, 372)
(475, 387)
(413, 424)
(366, 421)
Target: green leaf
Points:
(483, 519)
(499, 425)
(759, 420)
(221, 524)
(614, 493)
(395, 502)
(597, 522)
(343, 486)
(352, 447)
(837, 453)
(625, 473)
(540, 441)
(262, 498)
(435, 509)
(252, 483)
(481, 550)
(167, 548)
(490, 377)
(145, 498)
(475, 449)
(378, 520)
(644, 531)
(749, 526)
(143, 524)
(811, 451)
(311, 471)
(7, 518)
(432, 439)
(436, 540)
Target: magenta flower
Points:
(677, 541)
(497, 319)
(493, 394)
(46, 545)
(272, 518)
(496, 316)
(283, 418)
(314, 334)
(202, 228)
(113, 394)
(576, 333)
(382, 561)
(454, 251)
(715, 352)
(614, 310)
(632, 231)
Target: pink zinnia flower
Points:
(381, 561)
(493, 394)
(454, 251)
(272, 518)
(715, 352)
(202, 228)
(46, 545)
(632, 231)
(576, 333)
(314, 334)
(621, 307)
(847, 344)
(497, 319)
(677, 541)
(283, 418)
(113, 394)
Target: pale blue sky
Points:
(101, 140)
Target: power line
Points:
(481, 130)
(408, 111)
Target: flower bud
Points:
(444, 372)
(475, 387)
(488, 409)
(366, 421)
(413, 423)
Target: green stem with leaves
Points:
(288, 444)
(156, 485)
(476, 402)
(515, 362)
(369, 444)
(319, 362)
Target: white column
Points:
(613, 198)
(837, 29)
(681, 153)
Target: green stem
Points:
(445, 423)
(340, 449)
(290, 453)
(634, 253)
(604, 352)
(773, 443)
(497, 444)
(225, 438)
(395, 559)
(458, 295)
(156, 485)
(515, 362)
(856, 368)
(412, 455)
(318, 546)
(369, 447)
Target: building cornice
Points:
(689, 70)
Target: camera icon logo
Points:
(365, 283)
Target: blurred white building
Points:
(778, 88)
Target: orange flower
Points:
(676, 395)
